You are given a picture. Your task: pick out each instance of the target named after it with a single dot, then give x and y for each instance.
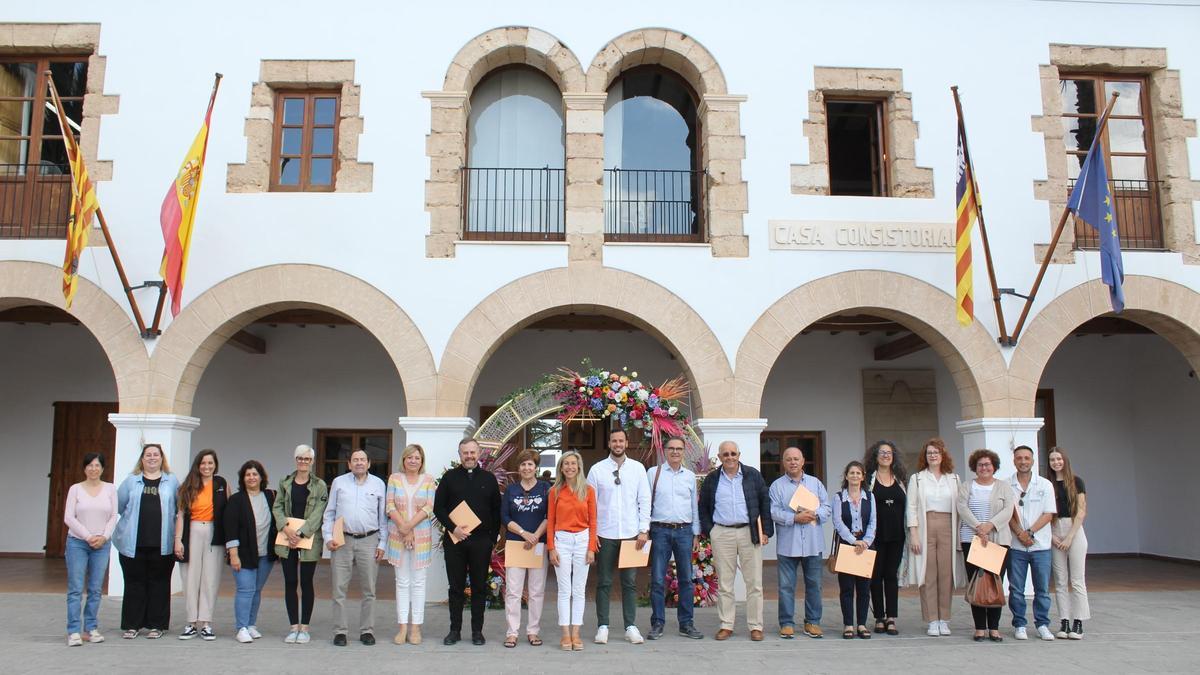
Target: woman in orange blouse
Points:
(571, 522)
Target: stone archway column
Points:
(174, 434)
(439, 436)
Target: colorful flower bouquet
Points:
(704, 576)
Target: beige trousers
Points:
(938, 585)
(732, 549)
(357, 553)
(1070, 589)
(202, 573)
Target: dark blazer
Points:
(240, 527)
(758, 501)
(220, 498)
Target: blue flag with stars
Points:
(1092, 201)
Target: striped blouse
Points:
(408, 499)
(980, 503)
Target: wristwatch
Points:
(1029, 532)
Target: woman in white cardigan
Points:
(932, 522)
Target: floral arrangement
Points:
(704, 578)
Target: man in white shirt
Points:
(358, 498)
(675, 532)
(1030, 526)
(622, 512)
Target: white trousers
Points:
(571, 574)
(1070, 589)
(202, 573)
(410, 589)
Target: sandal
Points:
(534, 639)
(863, 633)
(891, 627)
(848, 634)
(130, 634)
(565, 644)
(510, 641)
(879, 627)
(154, 634)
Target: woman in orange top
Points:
(200, 542)
(571, 522)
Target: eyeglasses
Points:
(616, 476)
(726, 455)
(304, 460)
(885, 453)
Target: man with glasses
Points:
(735, 511)
(1030, 550)
(674, 531)
(622, 512)
(358, 499)
(800, 543)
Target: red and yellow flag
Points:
(83, 202)
(964, 284)
(178, 212)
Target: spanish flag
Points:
(178, 212)
(83, 202)
(964, 293)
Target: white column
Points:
(174, 434)
(1000, 435)
(439, 436)
(746, 432)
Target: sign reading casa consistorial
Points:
(834, 235)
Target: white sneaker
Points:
(1019, 633)
(291, 637)
(935, 629)
(1045, 634)
(253, 631)
(74, 640)
(95, 636)
(632, 634)
(601, 635)
(303, 638)
(243, 636)
(943, 628)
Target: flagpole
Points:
(1062, 221)
(987, 250)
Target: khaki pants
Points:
(938, 584)
(358, 553)
(514, 588)
(732, 549)
(202, 573)
(1070, 589)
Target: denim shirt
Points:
(791, 538)
(129, 504)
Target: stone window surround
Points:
(905, 178)
(1170, 131)
(275, 75)
(722, 145)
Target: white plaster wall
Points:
(38, 366)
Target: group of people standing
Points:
(917, 526)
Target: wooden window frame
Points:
(306, 155)
(882, 156)
(815, 467)
(320, 460)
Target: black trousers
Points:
(474, 557)
(147, 601)
(986, 618)
(298, 573)
(855, 596)
(884, 582)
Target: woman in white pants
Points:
(1069, 547)
(200, 542)
(410, 540)
(571, 522)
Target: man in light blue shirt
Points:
(674, 531)
(359, 499)
(798, 542)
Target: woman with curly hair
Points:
(886, 477)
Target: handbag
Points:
(984, 590)
(831, 561)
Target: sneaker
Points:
(1019, 633)
(1076, 632)
(633, 635)
(303, 638)
(943, 628)
(689, 631)
(656, 631)
(291, 637)
(601, 635)
(74, 640)
(243, 636)
(96, 636)
(1045, 634)
(253, 631)
(207, 634)
(934, 629)
(1063, 629)
(189, 632)
(812, 630)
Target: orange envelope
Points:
(516, 555)
(296, 523)
(631, 556)
(339, 531)
(850, 561)
(804, 499)
(463, 516)
(990, 557)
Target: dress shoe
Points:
(367, 639)
(756, 635)
(723, 634)
(477, 639)
(339, 640)
(452, 638)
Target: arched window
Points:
(515, 156)
(652, 177)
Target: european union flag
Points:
(1092, 201)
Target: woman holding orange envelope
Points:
(854, 519)
(523, 517)
(985, 505)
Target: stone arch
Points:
(670, 49)
(510, 45)
(970, 353)
(207, 323)
(25, 282)
(1165, 307)
(608, 291)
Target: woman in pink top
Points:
(90, 516)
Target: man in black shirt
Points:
(473, 552)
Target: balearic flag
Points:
(964, 293)
(1091, 201)
(83, 202)
(178, 212)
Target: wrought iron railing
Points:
(653, 204)
(513, 204)
(1137, 208)
(34, 201)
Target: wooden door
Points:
(79, 428)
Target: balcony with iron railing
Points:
(653, 205)
(511, 204)
(1137, 208)
(34, 201)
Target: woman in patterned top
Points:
(410, 540)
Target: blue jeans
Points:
(249, 592)
(1019, 563)
(83, 560)
(813, 565)
(665, 542)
